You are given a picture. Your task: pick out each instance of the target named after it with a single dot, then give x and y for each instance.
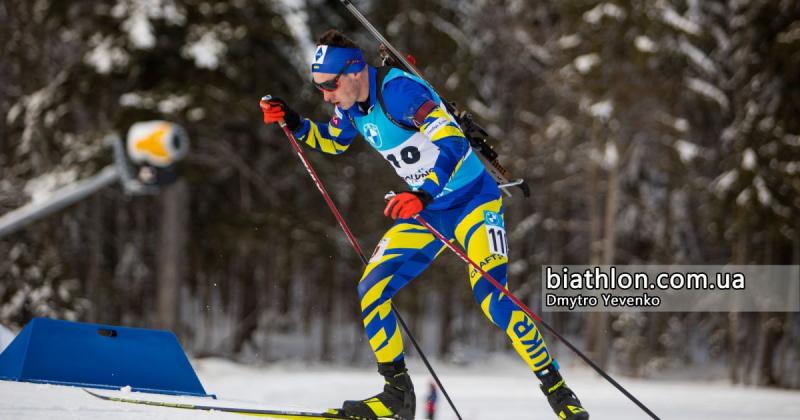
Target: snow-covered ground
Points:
(499, 389)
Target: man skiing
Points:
(404, 119)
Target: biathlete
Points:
(403, 118)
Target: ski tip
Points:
(86, 390)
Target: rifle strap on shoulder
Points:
(382, 72)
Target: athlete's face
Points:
(348, 88)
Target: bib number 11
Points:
(496, 233)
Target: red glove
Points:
(407, 204)
(276, 109)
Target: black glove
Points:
(276, 109)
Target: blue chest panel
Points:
(379, 131)
(411, 153)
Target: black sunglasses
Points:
(333, 84)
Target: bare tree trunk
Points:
(612, 198)
(771, 333)
(738, 328)
(329, 284)
(657, 321)
(594, 215)
(555, 256)
(95, 284)
(248, 306)
(790, 365)
(445, 336)
(603, 345)
(172, 257)
(772, 330)
(282, 276)
(598, 337)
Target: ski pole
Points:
(364, 260)
(530, 313)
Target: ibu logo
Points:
(372, 134)
(319, 56)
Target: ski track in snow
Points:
(497, 390)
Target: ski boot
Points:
(397, 401)
(562, 400)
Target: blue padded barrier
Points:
(99, 356)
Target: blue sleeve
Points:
(403, 97)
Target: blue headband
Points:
(329, 59)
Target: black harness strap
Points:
(382, 72)
(420, 115)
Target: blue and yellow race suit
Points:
(467, 207)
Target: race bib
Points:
(496, 233)
(413, 159)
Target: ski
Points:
(271, 414)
